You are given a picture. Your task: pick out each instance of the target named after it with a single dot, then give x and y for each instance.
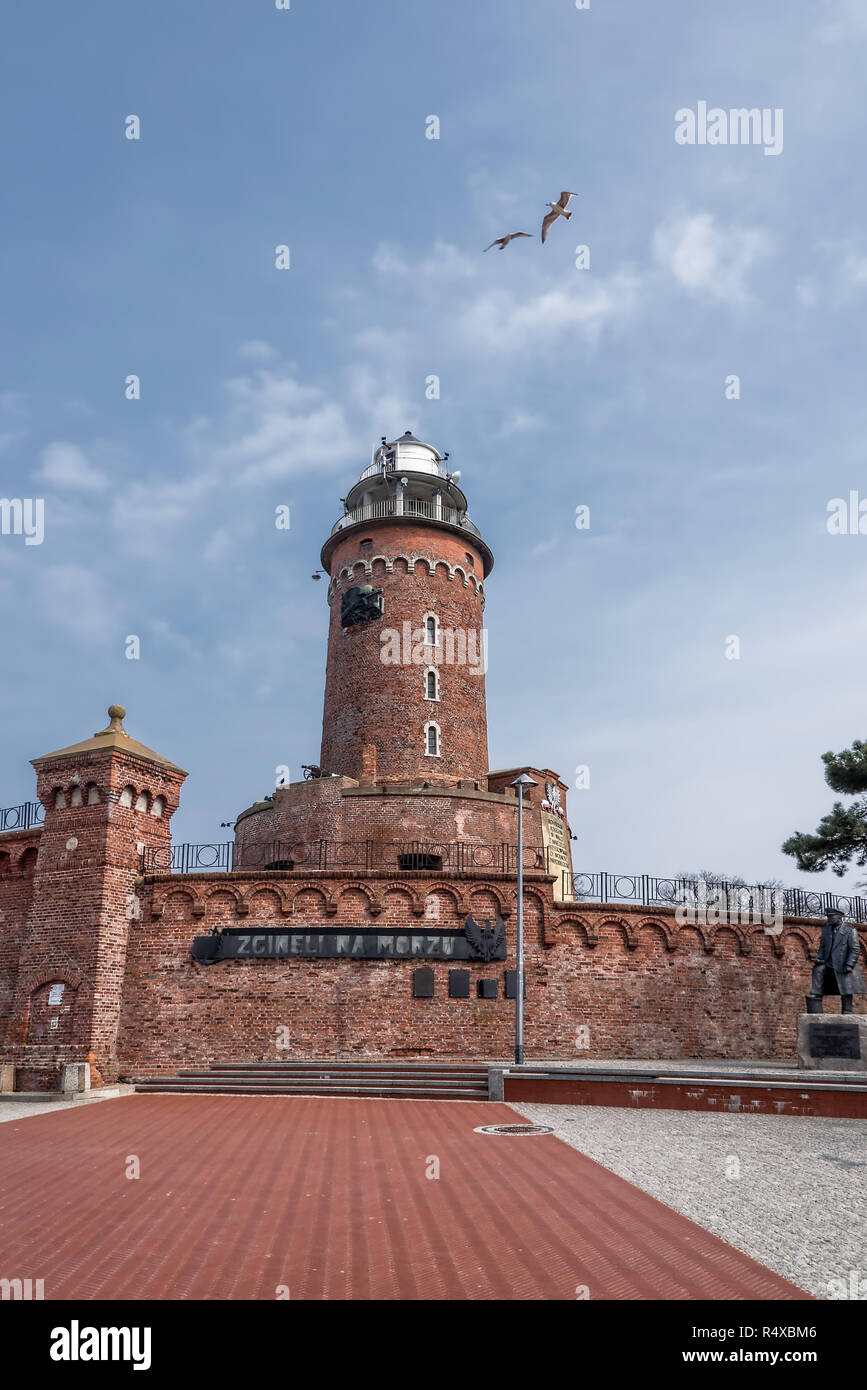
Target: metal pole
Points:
(519, 984)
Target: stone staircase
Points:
(404, 1080)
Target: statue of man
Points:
(836, 969)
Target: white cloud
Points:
(507, 322)
(146, 507)
(845, 276)
(74, 598)
(219, 547)
(709, 260)
(447, 262)
(519, 421)
(67, 466)
(807, 293)
(390, 260)
(284, 428)
(845, 20)
(257, 350)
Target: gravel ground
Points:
(798, 1206)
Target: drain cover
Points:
(513, 1129)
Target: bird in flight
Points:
(557, 210)
(503, 241)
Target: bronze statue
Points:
(360, 604)
(836, 969)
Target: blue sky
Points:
(559, 386)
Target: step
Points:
(394, 1092)
(338, 1074)
(336, 1068)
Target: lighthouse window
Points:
(470, 561)
(432, 741)
(366, 545)
(431, 631)
(431, 686)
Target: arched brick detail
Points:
(374, 905)
(578, 924)
(655, 924)
(172, 896)
(269, 897)
(407, 891)
(329, 907)
(801, 936)
(623, 926)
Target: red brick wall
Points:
(640, 985)
(367, 702)
(78, 920)
(307, 812)
(18, 851)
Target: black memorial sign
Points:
(276, 942)
(835, 1040)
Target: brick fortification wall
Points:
(18, 852)
(641, 985)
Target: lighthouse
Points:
(403, 781)
(405, 677)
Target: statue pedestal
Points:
(832, 1042)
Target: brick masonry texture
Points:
(641, 985)
(368, 702)
(602, 980)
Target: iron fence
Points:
(399, 856)
(22, 817)
(754, 898)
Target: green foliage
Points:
(847, 771)
(841, 835)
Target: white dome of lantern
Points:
(408, 481)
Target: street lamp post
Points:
(520, 782)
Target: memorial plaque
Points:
(423, 983)
(486, 941)
(512, 984)
(556, 842)
(459, 984)
(488, 989)
(835, 1040)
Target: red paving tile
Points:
(240, 1194)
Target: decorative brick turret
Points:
(406, 649)
(106, 800)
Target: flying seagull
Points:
(503, 241)
(557, 210)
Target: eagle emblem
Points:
(488, 942)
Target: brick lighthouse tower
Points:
(406, 646)
(403, 779)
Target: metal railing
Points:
(375, 468)
(661, 892)
(22, 817)
(412, 506)
(398, 856)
